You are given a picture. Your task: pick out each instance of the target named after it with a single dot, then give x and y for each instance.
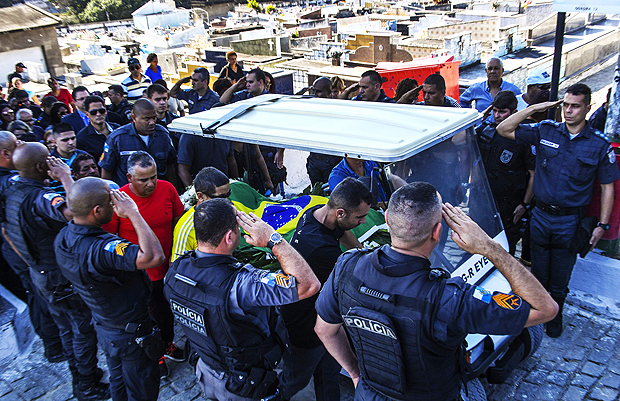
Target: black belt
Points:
(139, 329)
(557, 210)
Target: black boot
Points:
(554, 327)
(89, 388)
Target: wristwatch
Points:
(274, 240)
(603, 226)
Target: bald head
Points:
(7, 140)
(322, 87)
(142, 106)
(87, 193)
(28, 155)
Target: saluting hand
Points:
(124, 206)
(465, 232)
(545, 105)
(57, 168)
(258, 232)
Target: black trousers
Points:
(160, 311)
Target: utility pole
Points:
(557, 60)
(612, 124)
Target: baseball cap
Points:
(20, 64)
(538, 76)
(133, 61)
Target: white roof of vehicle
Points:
(373, 131)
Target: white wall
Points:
(10, 58)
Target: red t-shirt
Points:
(158, 210)
(64, 96)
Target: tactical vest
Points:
(110, 297)
(6, 180)
(198, 290)
(503, 161)
(392, 333)
(19, 203)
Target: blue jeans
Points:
(302, 364)
(133, 375)
(552, 258)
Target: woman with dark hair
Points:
(337, 86)
(153, 71)
(221, 84)
(59, 110)
(7, 115)
(232, 70)
(270, 83)
(404, 86)
(22, 131)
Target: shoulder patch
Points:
(507, 301)
(272, 279)
(54, 198)
(611, 155)
(548, 122)
(601, 135)
(482, 294)
(117, 246)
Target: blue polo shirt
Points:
(242, 95)
(566, 168)
(125, 140)
(481, 93)
(342, 171)
(197, 103)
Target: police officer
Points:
(34, 216)
(509, 167)
(407, 325)
(39, 313)
(318, 236)
(107, 272)
(569, 156)
(142, 134)
(226, 309)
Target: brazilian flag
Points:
(283, 217)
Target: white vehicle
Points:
(412, 143)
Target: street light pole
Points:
(557, 60)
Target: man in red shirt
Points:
(62, 94)
(161, 208)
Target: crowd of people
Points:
(104, 252)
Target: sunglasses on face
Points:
(544, 87)
(134, 67)
(8, 112)
(221, 196)
(94, 112)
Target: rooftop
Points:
(25, 16)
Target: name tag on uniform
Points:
(549, 143)
(127, 152)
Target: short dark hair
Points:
(208, 179)
(48, 101)
(581, 89)
(349, 194)
(204, 73)
(142, 105)
(259, 74)
(93, 99)
(155, 88)
(220, 85)
(60, 128)
(230, 53)
(151, 57)
(79, 89)
(505, 100)
(117, 88)
(162, 83)
(20, 94)
(404, 86)
(54, 112)
(437, 80)
(213, 219)
(87, 193)
(80, 157)
(374, 77)
(141, 159)
(413, 212)
(51, 79)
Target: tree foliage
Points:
(116, 9)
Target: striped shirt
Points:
(184, 235)
(135, 88)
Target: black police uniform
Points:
(125, 140)
(123, 109)
(407, 329)
(383, 98)
(39, 313)
(320, 247)
(92, 142)
(102, 269)
(227, 312)
(565, 173)
(33, 219)
(507, 164)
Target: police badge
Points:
(506, 156)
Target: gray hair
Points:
(20, 111)
(19, 125)
(7, 140)
(494, 58)
(141, 159)
(204, 73)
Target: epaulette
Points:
(601, 135)
(550, 122)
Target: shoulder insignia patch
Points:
(611, 155)
(272, 279)
(54, 199)
(117, 246)
(283, 280)
(482, 294)
(506, 301)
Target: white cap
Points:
(537, 77)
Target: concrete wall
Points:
(308, 42)
(535, 13)
(379, 50)
(225, 41)
(46, 38)
(264, 47)
(482, 30)
(219, 9)
(324, 30)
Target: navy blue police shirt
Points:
(566, 169)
